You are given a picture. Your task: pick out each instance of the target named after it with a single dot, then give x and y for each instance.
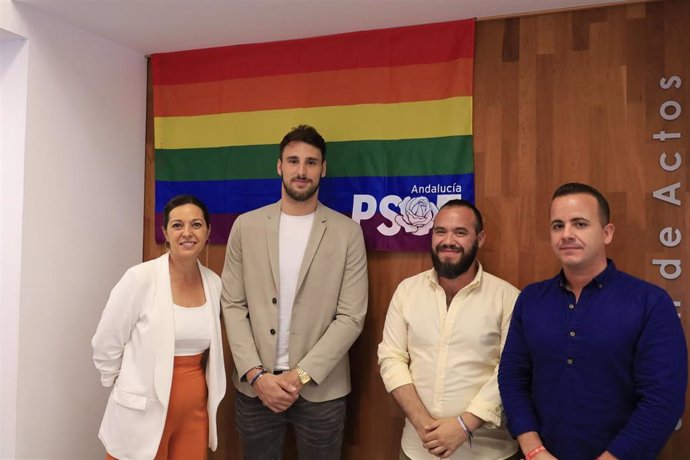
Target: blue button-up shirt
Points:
(607, 372)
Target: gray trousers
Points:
(318, 428)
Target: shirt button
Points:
(572, 333)
(570, 360)
(272, 331)
(274, 300)
(571, 306)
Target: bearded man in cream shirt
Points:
(442, 341)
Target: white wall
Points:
(13, 73)
(81, 227)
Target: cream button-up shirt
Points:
(451, 355)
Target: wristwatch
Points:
(303, 376)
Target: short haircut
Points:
(306, 134)
(181, 200)
(466, 204)
(573, 188)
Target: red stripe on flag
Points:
(420, 44)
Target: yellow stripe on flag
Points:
(405, 120)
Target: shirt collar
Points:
(600, 280)
(432, 276)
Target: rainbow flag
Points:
(394, 105)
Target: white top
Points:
(451, 355)
(192, 330)
(294, 234)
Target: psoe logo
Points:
(413, 214)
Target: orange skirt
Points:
(185, 436)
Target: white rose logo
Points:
(416, 215)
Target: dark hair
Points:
(466, 204)
(573, 188)
(181, 200)
(306, 134)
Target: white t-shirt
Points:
(192, 330)
(294, 234)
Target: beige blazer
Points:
(134, 348)
(330, 299)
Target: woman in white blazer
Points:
(158, 331)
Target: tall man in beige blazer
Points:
(294, 300)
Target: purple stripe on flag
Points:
(402, 241)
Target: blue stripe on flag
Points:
(238, 196)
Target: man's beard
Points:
(300, 196)
(451, 270)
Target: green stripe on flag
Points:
(406, 157)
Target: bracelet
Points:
(261, 374)
(246, 375)
(258, 375)
(466, 430)
(534, 452)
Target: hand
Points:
(276, 393)
(420, 424)
(529, 441)
(443, 437)
(291, 378)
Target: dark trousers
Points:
(318, 428)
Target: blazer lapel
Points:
(272, 237)
(215, 354)
(165, 331)
(317, 231)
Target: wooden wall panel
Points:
(577, 99)
(571, 96)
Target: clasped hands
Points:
(442, 437)
(278, 392)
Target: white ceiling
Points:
(151, 26)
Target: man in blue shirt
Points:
(595, 364)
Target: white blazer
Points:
(134, 349)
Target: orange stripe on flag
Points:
(383, 85)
